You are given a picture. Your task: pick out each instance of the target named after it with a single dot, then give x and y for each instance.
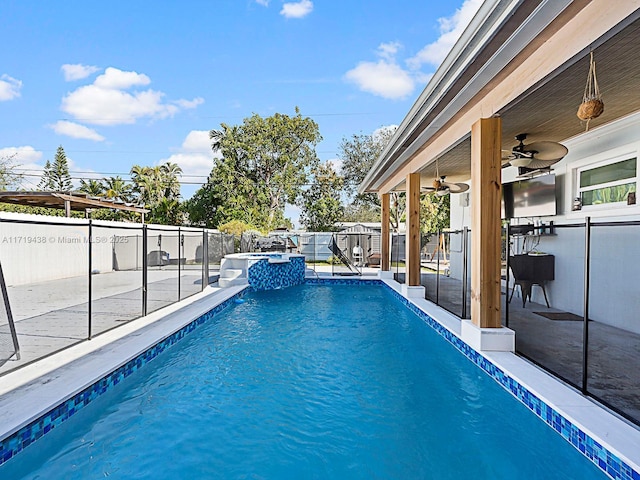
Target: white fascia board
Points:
(468, 46)
(437, 86)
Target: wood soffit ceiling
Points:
(548, 111)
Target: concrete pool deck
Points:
(27, 393)
(53, 315)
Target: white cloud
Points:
(197, 141)
(21, 155)
(195, 156)
(116, 79)
(450, 30)
(187, 104)
(75, 130)
(9, 88)
(389, 50)
(297, 10)
(110, 100)
(77, 71)
(25, 160)
(385, 130)
(264, 3)
(383, 78)
(387, 79)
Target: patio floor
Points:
(613, 368)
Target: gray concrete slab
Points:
(51, 316)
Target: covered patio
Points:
(521, 68)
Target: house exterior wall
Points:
(615, 256)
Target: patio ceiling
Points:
(548, 111)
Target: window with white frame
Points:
(608, 183)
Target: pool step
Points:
(232, 276)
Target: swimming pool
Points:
(315, 381)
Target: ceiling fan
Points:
(536, 155)
(442, 187)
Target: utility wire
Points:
(131, 181)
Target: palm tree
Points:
(141, 184)
(169, 173)
(117, 188)
(167, 212)
(93, 187)
(158, 188)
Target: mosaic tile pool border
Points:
(14, 443)
(343, 281)
(606, 461)
(264, 275)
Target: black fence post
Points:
(507, 279)
(180, 247)
(438, 268)
(7, 307)
(144, 269)
(585, 328)
(205, 258)
(90, 282)
(465, 261)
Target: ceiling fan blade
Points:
(538, 164)
(507, 155)
(456, 187)
(506, 161)
(546, 151)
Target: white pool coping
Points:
(29, 392)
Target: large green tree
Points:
(265, 163)
(56, 176)
(205, 207)
(434, 212)
(358, 154)
(361, 213)
(321, 204)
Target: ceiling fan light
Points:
(520, 162)
(442, 192)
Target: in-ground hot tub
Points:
(262, 271)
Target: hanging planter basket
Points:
(592, 105)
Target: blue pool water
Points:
(319, 382)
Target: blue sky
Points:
(140, 82)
